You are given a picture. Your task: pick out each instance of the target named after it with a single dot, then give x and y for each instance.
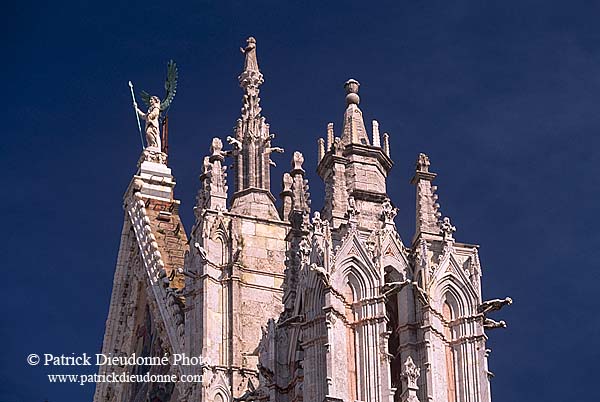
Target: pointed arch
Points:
(356, 281)
(454, 300)
(220, 235)
(218, 389)
(453, 289)
(356, 287)
(220, 395)
(316, 297)
(393, 255)
(351, 293)
(448, 312)
(363, 278)
(353, 251)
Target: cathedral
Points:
(286, 304)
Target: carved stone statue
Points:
(156, 107)
(337, 146)
(251, 63)
(151, 118)
(352, 208)
(287, 182)
(304, 250)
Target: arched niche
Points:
(450, 307)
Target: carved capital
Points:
(410, 373)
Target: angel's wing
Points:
(170, 85)
(145, 98)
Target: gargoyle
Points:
(393, 287)
(201, 252)
(488, 323)
(494, 305)
(320, 271)
(237, 144)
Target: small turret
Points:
(354, 169)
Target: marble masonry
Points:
(284, 303)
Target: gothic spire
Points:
(253, 139)
(428, 214)
(250, 80)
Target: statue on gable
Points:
(157, 109)
(151, 118)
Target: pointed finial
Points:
(329, 136)
(386, 143)
(447, 228)
(423, 163)
(351, 86)
(287, 182)
(411, 373)
(297, 161)
(376, 139)
(321, 149)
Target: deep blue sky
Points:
(503, 96)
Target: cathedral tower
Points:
(235, 267)
(285, 304)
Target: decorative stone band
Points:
(172, 326)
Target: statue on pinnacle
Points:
(157, 109)
(251, 63)
(151, 118)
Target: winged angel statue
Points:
(157, 109)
